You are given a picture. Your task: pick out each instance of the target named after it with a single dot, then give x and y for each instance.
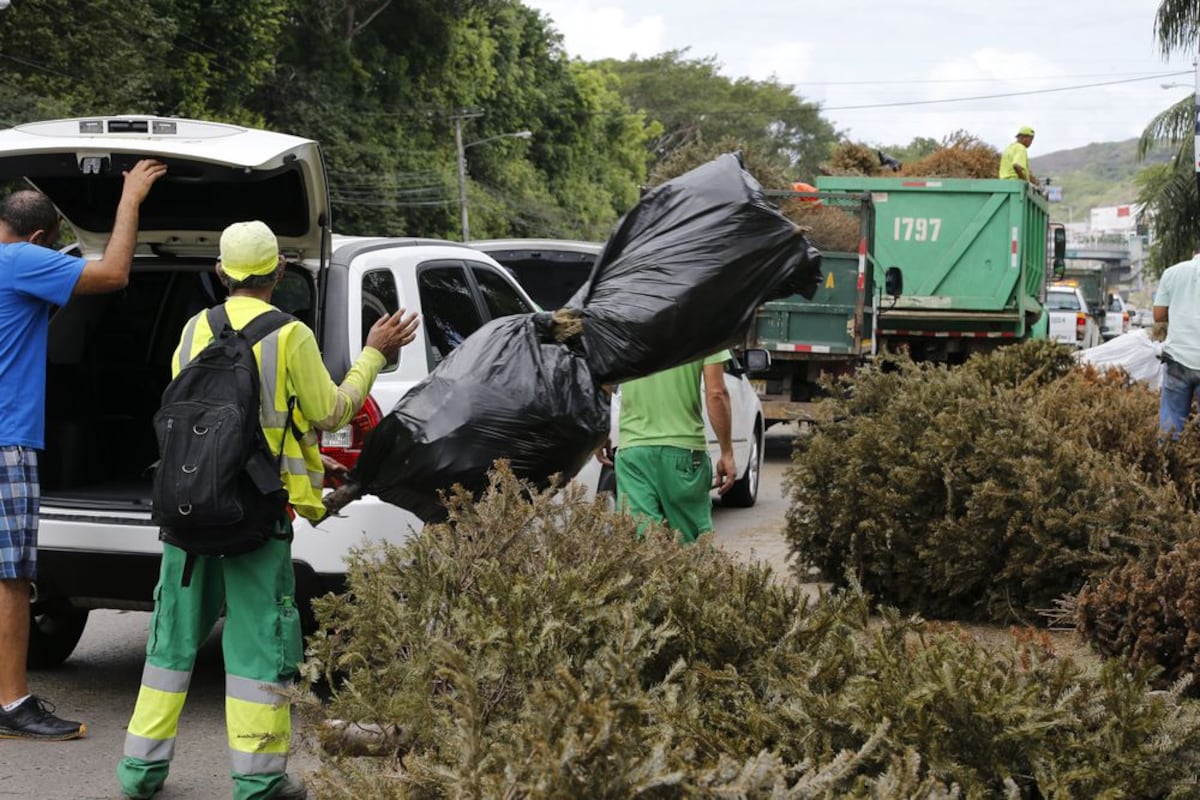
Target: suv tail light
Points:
(1125, 322)
(345, 444)
(1080, 326)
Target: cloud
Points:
(596, 32)
(790, 62)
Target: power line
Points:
(40, 66)
(907, 103)
(1147, 75)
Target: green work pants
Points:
(666, 484)
(262, 647)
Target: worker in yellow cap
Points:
(1014, 161)
(261, 641)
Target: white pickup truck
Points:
(1070, 320)
(109, 355)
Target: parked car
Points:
(1116, 318)
(1070, 321)
(552, 271)
(1144, 318)
(109, 355)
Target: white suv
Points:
(109, 354)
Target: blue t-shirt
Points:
(32, 279)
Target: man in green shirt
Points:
(1014, 161)
(663, 470)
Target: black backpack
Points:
(217, 488)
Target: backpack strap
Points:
(218, 320)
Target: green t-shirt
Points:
(665, 409)
(1015, 153)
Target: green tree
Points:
(694, 102)
(918, 148)
(59, 58)
(382, 100)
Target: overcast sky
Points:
(846, 54)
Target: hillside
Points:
(1099, 174)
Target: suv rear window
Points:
(1063, 301)
(550, 277)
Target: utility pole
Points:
(461, 151)
(1196, 120)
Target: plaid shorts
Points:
(19, 499)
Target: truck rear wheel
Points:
(744, 492)
(54, 630)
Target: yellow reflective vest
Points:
(290, 365)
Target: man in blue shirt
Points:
(33, 279)
(1177, 305)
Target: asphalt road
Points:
(99, 683)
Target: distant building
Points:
(1116, 219)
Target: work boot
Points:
(291, 788)
(34, 719)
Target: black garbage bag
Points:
(684, 272)
(509, 391)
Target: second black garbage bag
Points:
(509, 391)
(685, 271)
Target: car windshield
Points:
(1062, 301)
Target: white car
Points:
(552, 270)
(108, 355)
(1070, 321)
(1116, 318)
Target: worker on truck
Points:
(1014, 161)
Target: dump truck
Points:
(831, 333)
(941, 267)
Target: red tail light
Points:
(1080, 326)
(345, 445)
(1125, 322)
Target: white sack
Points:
(1135, 352)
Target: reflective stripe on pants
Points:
(262, 647)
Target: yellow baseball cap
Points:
(1025, 131)
(248, 248)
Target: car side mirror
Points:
(893, 281)
(1060, 253)
(756, 360)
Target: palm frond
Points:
(1176, 25)
(1174, 126)
(1173, 204)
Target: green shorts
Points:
(666, 484)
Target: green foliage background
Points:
(380, 84)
